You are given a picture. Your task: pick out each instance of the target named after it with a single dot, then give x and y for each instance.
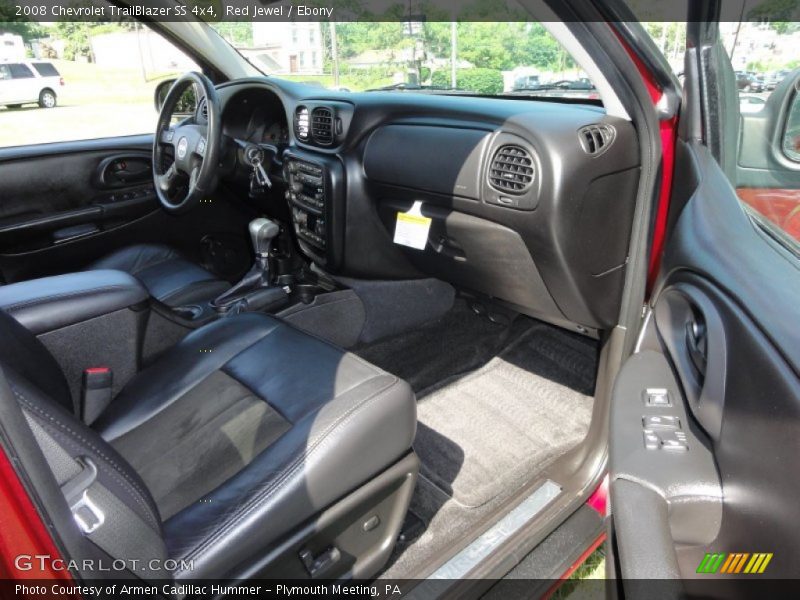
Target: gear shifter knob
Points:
(262, 232)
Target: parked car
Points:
(527, 82)
(773, 79)
(26, 82)
(749, 103)
(747, 82)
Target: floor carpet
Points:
(456, 343)
(497, 404)
(500, 424)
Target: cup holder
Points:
(287, 279)
(306, 292)
(189, 313)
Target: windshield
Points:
(486, 58)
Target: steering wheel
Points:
(196, 148)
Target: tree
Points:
(785, 27)
(236, 32)
(76, 38)
(355, 38)
(496, 44)
(480, 81)
(778, 12)
(11, 23)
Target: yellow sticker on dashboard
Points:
(412, 227)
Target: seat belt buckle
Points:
(95, 392)
(86, 513)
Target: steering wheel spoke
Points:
(167, 182)
(168, 137)
(194, 176)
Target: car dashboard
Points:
(528, 202)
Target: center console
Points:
(314, 190)
(87, 320)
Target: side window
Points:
(85, 81)
(45, 69)
(20, 71)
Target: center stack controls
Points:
(308, 201)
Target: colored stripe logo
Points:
(734, 563)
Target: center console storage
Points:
(86, 320)
(315, 188)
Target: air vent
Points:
(204, 109)
(596, 139)
(322, 126)
(511, 171)
(301, 129)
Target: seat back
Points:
(110, 503)
(23, 354)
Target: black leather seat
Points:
(235, 438)
(168, 277)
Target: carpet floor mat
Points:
(458, 342)
(498, 426)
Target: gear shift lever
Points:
(262, 233)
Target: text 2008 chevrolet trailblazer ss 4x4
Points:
(426, 299)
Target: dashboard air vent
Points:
(301, 126)
(596, 139)
(322, 126)
(204, 109)
(512, 170)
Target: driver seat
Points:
(168, 276)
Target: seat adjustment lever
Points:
(321, 563)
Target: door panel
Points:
(722, 341)
(57, 197)
(65, 205)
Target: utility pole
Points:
(453, 53)
(735, 41)
(141, 52)
(334, 55)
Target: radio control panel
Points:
(307, 198)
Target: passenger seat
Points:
(249, 449)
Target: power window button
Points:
(670, 440)
(674, 441)
(651, 440)
(661, 422)
(657, 397)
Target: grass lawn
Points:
(586, 583)
(95, 102)
(87, 83)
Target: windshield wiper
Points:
(405, 87)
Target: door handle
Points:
(696, 344)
